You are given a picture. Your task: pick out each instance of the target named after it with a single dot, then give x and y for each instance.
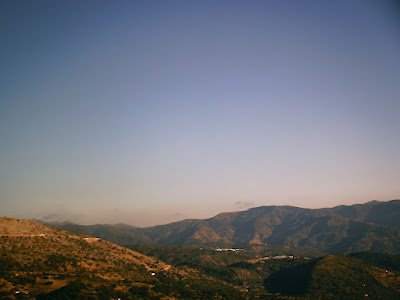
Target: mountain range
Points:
(373, 226)
(41, 262)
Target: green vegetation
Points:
(387, 261)
(245, 269)
(291, 281)
(333, 277)
(327, 277)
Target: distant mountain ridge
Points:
(382, 213)
(373, 226)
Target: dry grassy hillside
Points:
(20, 227)
(36, 259)
(40, 262)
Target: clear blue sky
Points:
(153, 111)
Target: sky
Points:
(148, 112)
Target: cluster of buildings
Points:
(271, 257)
(228, 249)
(280, 257)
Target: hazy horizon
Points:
(151, 112)
(172, 219)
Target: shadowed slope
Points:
(334, 277)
